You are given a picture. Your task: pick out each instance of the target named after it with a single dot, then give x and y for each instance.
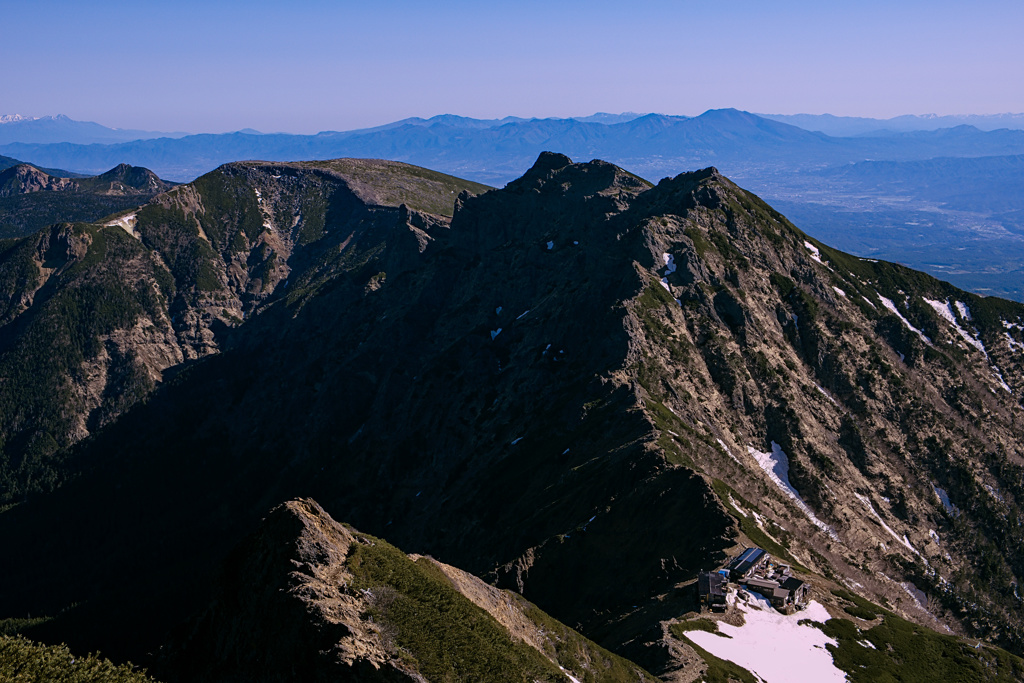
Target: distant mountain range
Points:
(811, 175)
(842, 126)
(60, 128)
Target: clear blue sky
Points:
(309, 66)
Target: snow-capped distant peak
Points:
(14, 118)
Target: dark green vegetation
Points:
(444, 636)
(23, 660)
(49, 351)
(437, 630)
(514, 391)
(588, 661)
(31, 199)
(699, 624)
(902, 651)
(721, 670)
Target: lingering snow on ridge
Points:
(944, 498)
(774, 647)
(776, 465)
(126, 223)
(826, 394)
(902, 539)
(1014, 344)
(888, 303)
(815, 254)
(965, 312)
(670, 263)
(569, 675)
(945, 311)
(724, 447)
(839, 291)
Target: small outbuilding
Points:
(711, 587)
(798, 591)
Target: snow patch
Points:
(497, 311)
(126, 223)
(724, 447)
(551, 245)
(670, 263)
(944, 498)
(934, 535)
(739, 508)
(945, 311)
(965, 312)
(569, 675)
(825, 394)
(775, 646)
(815, 254)
(515, 441)
(1014, 344)
(776, 466)
(902, 539)
(495, 333)
(888, 303)
(839, 291)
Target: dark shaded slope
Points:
(561, 388)
(91, 316)
(384, 395)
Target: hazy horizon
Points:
(319, 65)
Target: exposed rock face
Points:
(583, 387)
(23, 179)
(308, 599)
(286, 610)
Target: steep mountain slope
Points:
(581, 386)
(91, 316)
(309, 599)
(31, 198)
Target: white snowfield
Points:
(776, 465)
(888, 303)
(773, 646)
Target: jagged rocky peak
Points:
(24, 178)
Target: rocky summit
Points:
(582, 387)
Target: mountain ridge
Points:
(580, 385)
